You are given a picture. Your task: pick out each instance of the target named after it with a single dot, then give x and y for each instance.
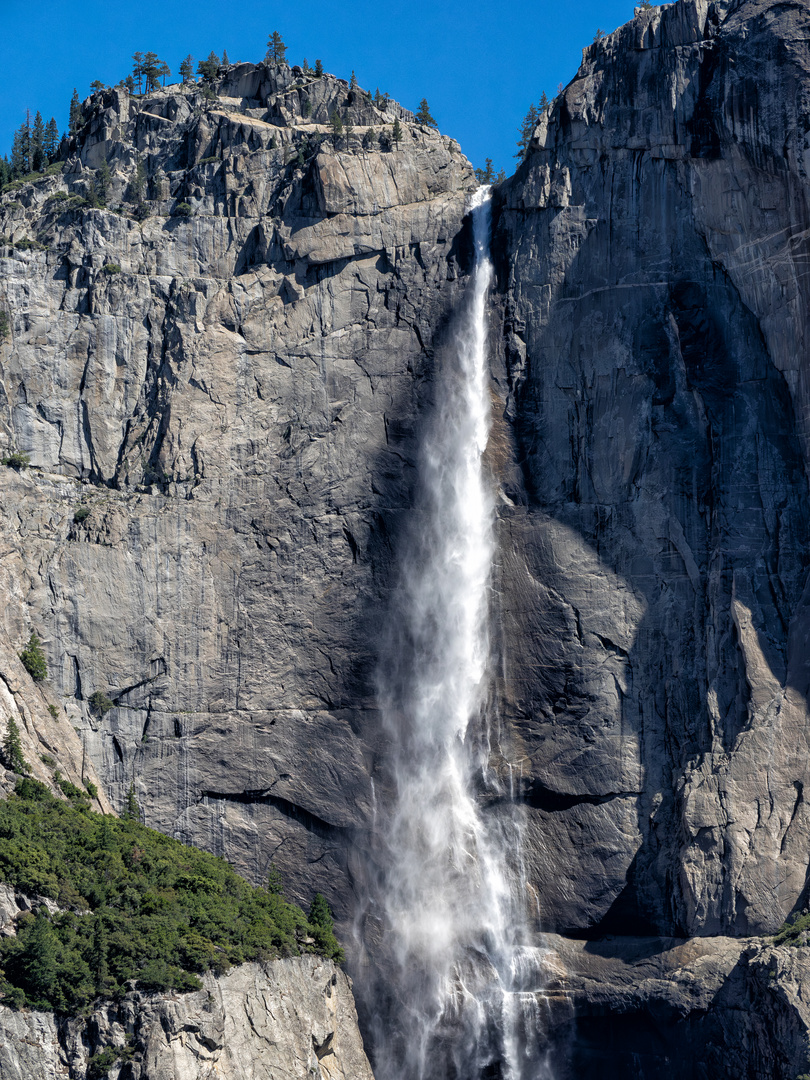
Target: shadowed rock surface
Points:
(652, 592)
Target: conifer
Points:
(33, 659)
(396, 131)
(526, 129)
(137, 69)
(75, 115)
(276, 49)
(12, 754)
(318, 69)
(225, 61)
(423, 115)
(209, 68)
(50, 143)
(187, 69)
(38, 156)
(337, 126)
(353, 82)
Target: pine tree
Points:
(75, 116)
(275, 882)
(526, 129)
(12, 753)
(164, 71)
(319, 913)
(151, 71)
(187, 69)
(21, 149)
(353, 82)
(318, 69)
(209, 68)
(396, 132)
(225, 61)
(276, 49)
(50, 143)
(5, 177)
(378, 98)
(39, 957)
(132, 812)
(305, 67)
(423, 114)
(598, 35)
(137, 69)
(33, 659)
(499, 179)
(103, 183)
(337, 126)
(485, 175)
(323, 928)
(137, 184)
(96, 86)
(129, 83)
(98, 955)
(38, 155)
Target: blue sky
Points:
(479, 64)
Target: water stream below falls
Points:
(448, 898)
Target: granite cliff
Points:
(293, 1018)
(230, 390)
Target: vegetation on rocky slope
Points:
(137, 905)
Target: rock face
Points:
(705, 1009)
(220, 392)
(290, 1018)
(219, 405)
(653, 595)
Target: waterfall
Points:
(447, 906)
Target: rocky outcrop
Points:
(719, 1008)
(219, 404)
(289, 1018)
(653, 602)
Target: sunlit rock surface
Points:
(289, 1018)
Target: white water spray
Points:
(449, 921)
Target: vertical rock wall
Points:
(653, 599)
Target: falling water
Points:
(448, 905)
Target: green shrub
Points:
(144, 907)
(5, 326)
(29, 245)
(92, 790)
(48, 760)
(183, 209)
(112, 268)
(17, 461)
(82, 513)
(208, 160)
(100, 703)
(58, 196)
(52, 709)
(794, 931)
(33, 659)
(99, 1065)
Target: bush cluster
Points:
(143, 907)
(796, 931)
